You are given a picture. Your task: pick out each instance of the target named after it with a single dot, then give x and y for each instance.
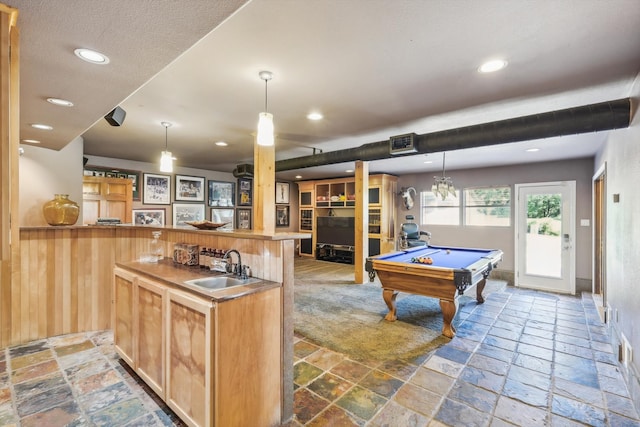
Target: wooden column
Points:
(9, 160)
(264, 189)
(361, 221)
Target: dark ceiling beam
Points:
(570, 121)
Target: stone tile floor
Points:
(522, 358)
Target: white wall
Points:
(621, 155)
(580, 170)
(45, 172)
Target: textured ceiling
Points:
(374, 68)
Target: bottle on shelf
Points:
(156, 252)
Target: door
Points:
(545, 226)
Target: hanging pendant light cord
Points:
(266, 95)
(166, 138)
(443, 157)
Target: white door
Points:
(545, 226)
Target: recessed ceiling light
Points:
(31, 141)
(532, 150)
(428, 161)
(221, 144)
(349, 170)
(60, 102)
(91, 56)
(41, 126)
(493, 65)
(315, 116)
(298, 176)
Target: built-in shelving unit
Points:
(337, 197)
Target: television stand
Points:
(335, 253)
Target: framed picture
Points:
(189, 188)
(221, 193)
(244, 219)
(183, 212)
(244, 192)
(157, 189)
(101, 171)
(282, 192)
(148, 217)
(220, 215)
(282, 216)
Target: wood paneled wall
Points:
(9, 145)
(65, 275)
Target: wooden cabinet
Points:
(123, 329)
(150, 337)
(189, 356)
(106, 198)
(339, 194)
(382, 213)
(138, 332)
(306, 215)
(213, 363)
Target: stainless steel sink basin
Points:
(220, 282)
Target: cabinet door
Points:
(189, 390)
(123, 329)
(150, 339)
(106, 197)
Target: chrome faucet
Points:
(239, 270)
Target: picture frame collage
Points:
(282, 204)
(194, 198)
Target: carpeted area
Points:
(335, 313)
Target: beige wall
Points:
(621, 155)
(580, 170)
(45, 172)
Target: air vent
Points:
(403, 144)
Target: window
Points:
(435, 211)
(488, 206)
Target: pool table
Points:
(453, 271)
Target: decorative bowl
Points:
(206, 225)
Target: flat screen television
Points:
(336, 230)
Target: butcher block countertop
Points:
(175, 275)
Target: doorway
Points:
(545, 225)
(599, 239)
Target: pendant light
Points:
(166, 160)
(265, 120)
(443, 184)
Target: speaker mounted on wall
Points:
(116, 116)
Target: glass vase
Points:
(61, 210)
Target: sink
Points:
(220, 282)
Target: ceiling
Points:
(373, 68)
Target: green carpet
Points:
(349, 319)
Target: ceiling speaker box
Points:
(243, 171)
(116, 116)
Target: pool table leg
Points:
(389, 296)
(449, 309)
(479, 289)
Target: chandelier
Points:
(442, 184)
